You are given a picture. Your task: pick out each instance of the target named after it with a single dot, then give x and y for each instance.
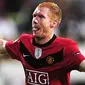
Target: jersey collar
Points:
(46, 44)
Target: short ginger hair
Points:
(56, 12)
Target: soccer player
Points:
(46, 58)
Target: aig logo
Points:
(37, 77)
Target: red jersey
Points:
(46, 64)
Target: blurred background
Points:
(15, 18)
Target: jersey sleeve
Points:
(74, 56)
(13, 49)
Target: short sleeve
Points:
(13, 49)
(74, 56)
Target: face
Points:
(41, 22)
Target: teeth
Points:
(34, 29)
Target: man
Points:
(46, 58)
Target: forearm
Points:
(82, 66)
(2, 46)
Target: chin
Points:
(36, 36)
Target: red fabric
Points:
(56, 74)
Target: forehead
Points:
(42, 10)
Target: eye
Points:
(34, 15)
(41, 16)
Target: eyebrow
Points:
(40, 14)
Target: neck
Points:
(43, 40)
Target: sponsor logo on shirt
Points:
(25, 55)
(76, 53)
(37, 77)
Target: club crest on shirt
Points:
(50, 60)
(38, 52)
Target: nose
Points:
(35, 21)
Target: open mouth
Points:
(35, 29)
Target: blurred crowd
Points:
(15, 18)
(17, 14)
(73, 18)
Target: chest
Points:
(42, 57)
(42, 64)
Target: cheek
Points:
(46, 24)
(45, 28)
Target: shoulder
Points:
(25, 36)
(66, 41)
(70, 45)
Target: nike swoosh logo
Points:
(25, 55)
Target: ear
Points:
(54, 24)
